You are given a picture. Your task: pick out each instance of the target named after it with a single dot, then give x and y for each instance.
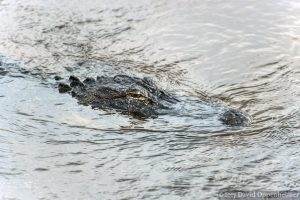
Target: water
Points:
(242, 54)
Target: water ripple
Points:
(244, 56)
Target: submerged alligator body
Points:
(135, 96)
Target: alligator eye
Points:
(136, 95)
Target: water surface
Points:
(242, 54)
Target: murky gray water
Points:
(242, 54)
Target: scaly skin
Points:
(138, 97)
(135, 96)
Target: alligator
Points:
(138, 97)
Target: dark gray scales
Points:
(139, 97)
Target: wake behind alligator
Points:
(139, 97)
